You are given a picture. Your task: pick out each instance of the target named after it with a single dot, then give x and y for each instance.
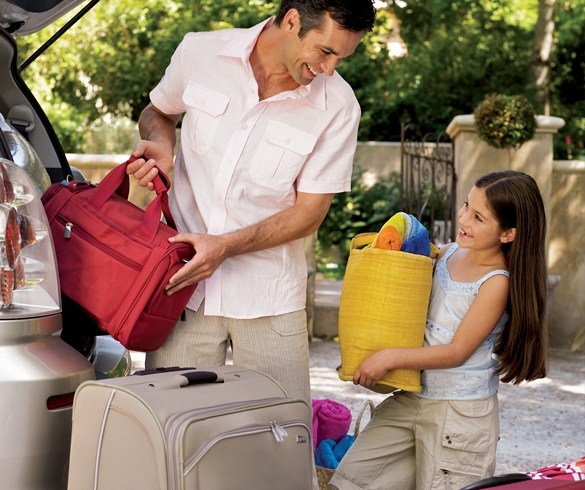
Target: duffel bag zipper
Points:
(70, 228)
(76, 230)
(251, 429)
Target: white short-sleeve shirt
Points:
(242, 161)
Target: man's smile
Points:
(311, 69)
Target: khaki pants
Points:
(277, 346)
(415, 443)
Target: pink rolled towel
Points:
(331, 420)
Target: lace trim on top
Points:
(466, 385)
(465, 288)
(449, 334)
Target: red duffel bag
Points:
(114, 258)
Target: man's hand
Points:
(157, 130)
(145, 171)
(211, 250)
(210, 253)
(372, 369)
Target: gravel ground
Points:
(542, 423)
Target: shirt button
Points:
(202, 103)
(287, 141)
(228, 163)
(216, 230)
(244, 127)
(252, 90)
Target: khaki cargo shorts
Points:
(415, 443)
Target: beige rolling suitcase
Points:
(214, 429)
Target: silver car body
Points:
(39, 372)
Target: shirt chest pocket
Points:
(281, 155)
(205, 109)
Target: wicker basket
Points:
(384, 303)
(324, 475)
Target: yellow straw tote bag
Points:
(384, 303)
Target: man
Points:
(268, 137)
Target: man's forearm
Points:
(303, 219)
(158, 127)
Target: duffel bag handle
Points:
(118, 181)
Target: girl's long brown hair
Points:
(516, 202)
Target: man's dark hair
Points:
(353, 15)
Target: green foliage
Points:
(326, 265)
(567, 88)
(111, 136)
(458, 51)
(363, 209)
(111, 59)
(504, 121)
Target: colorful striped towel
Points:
(574, 471)
(405, 233)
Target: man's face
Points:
(319, 51)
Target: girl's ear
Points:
(508, 236)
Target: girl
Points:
(488, 297)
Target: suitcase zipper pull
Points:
(67, 232)
(278, 432)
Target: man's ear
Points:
(292, 21)
(508, 236)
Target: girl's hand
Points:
(372, 369)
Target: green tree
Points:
(110, 60)
(458, 51)
(567, 88)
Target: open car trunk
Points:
(22, 17)
(18, 106)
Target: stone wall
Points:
(566, 256)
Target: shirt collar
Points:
(243, 44)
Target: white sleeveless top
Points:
(450, 300)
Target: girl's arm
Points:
(477, 324)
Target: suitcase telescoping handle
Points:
(186, 379)
(117, 181)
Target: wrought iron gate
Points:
(428, 183)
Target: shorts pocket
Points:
(281, 155)
(447, 478)
(467, 425)
(467, 445)
(205, 109)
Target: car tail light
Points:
(29, 280)
(60, 402)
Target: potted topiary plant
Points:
(505, 121)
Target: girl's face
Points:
(478, 227)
